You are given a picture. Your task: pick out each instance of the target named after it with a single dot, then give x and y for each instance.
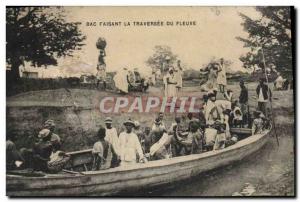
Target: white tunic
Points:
(171, 88)
(279, 82)
(221, 79)
(120, 80)
(130, 147)
(178, 77)
(111, 136)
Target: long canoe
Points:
(136, 177)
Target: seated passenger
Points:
(138, 131)
(42, 150)
(159, 149)
(13, 157)
(237, 117)
(58, 159)
(195, 140)
(102, 152)
(147, 140)
(213, 113)
(226, 114)
(158, 125)
(220, 138)
(258, 123)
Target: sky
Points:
(214, 35)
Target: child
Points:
(258, 123)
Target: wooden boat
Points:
(129, 179)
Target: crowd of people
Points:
(191, 133)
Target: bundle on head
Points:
(101, 43)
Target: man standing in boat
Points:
(102, 152)
(130, 146)
(111, 135)
(243, 99)
(263, 95)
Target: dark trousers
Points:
(262, 106)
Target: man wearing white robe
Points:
(171, 84)
(178, 75)
(121, 81)
(221, 79)
(279, 82)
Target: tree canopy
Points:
(270, 35)
(39, 35)
(162, 55)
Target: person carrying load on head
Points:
(101, 65)
(130, 146)
(102, 152)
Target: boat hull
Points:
(136, 177)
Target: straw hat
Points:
(108, 120)
(129, 122)
(136, 123)
(44, 133)
(49, 123)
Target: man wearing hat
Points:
(50, 125)
(130, 146)
(42, 151)
(111, 136)
(263, 95)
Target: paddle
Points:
(72, 172)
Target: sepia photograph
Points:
(150, 101)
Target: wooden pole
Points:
(273, 120)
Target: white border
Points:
(3, 3)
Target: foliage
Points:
(39, 35)
(269, 36)
(162, 55)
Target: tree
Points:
(269, 36)
(39, 35)
(162, 57)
